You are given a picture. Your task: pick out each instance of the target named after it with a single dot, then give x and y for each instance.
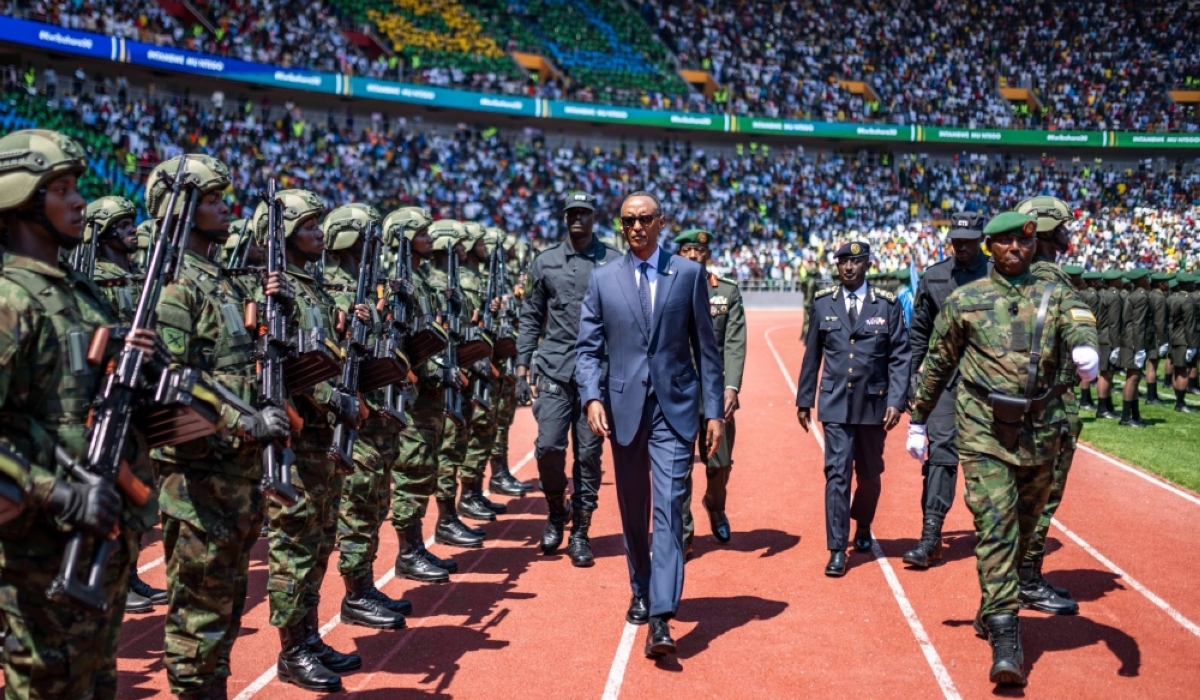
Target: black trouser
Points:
(851, 448)
(940, 471)
(558, 411)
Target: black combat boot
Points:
(1152, 394)
(578, 547)
(559, 513)
(400, 606)
(1130, 415)
(361, 608)
(450, 530)
(219, 689)
(329, 657)
(136, 602)
(928, 551)
(471, 505)
(412, 565)
(1180, 402)
(480, 497)
(1008, 657)
(1038, 594)
(449, 565)
(299, 666)
(156, 596)
(1104, 408)
(503, 482)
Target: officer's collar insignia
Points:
(877, 321)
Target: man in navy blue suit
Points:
(646, 358)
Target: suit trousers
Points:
(939, 474)
(650, 476)
(850, 448)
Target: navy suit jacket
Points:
(611, 326)
(866, 365)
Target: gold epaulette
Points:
(822, 292)
(886, 295)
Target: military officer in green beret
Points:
(1137, 335)
(729, 322)
(1193, 289)
(1108, 327)
(1181, 313)
(1158, 328)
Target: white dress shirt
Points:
(651, 274)
(859, 293)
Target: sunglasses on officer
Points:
(645, 220)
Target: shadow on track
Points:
(771, 542)
(715, 617)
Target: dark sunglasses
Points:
(644, 220)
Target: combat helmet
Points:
(406, 220)
(205, 173)
(257, 224)
(298, 207)
(1051, 213)
(474, 230)
(346, 224)
(446, 234)
(494, 235)
(237, 229)
(31, 158)
(104, 213)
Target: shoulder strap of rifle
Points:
(1035, 350)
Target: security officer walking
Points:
(940, 469)
(729, 323)
(859, 333)
(550, 326)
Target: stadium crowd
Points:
(777, 208)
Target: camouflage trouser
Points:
(452, 453)
(481, 431)
(1007, 501)
(52, 650)
(365, 498)
(210, 523)
(1062, 467)
(505, 391)
(302, 538)
(416, 467)
(716, 474)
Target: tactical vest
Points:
(234, 350)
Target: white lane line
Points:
(616, 673)
(1137, 586)
(940, 673)
(269, 675)
(149, 565)
(1141, 474)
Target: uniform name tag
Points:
(1083, 315)
(877, 321)
(831, 318)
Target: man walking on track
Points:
(860, 334)
(646, 356)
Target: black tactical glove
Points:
(93, 508)
(345, 406)
(268, 424)
(524, 394)
(402, 288)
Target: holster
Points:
(1008, 412)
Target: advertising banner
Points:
(1011, 137)
(824, 130)
(441, 97)
(167, 58)
(1132, 139)
(609, 114)
(52, 38)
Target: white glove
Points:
(916, 442)
(1162, 349)
(1189, 355)
(1139, 358)
(1087, 362)
(1114, 356)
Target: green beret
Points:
(1161, 277)
(901, 274)
(1013, 222)
(1184, 278)
(1174, 284)
(1093, 275)
(694, 236)
(1137, 273)
(1110, 275)
(1072, 269)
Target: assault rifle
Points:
(386, 365)
(341, 451)
(451, 373)
(84, 259)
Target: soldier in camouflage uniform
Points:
(415, 471)
(210, 499)
(366, 493)
(302, 536)
(1011, 426)
(448, 238)
(729, 323)
(145, 237)
(504, 389)
(47, 384)
(482, 420)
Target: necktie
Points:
(644, 292)
(853, 309)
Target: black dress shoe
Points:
(1184, 408)
(658, 641)
(720, 524)
(1133, 423)
(837, 563)
(862, 539)
(639, 610)
(156, 596)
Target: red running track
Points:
(758, 618)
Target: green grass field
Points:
(1170, 447)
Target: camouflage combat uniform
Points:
(453, 449)
(121, 288)
(1006, 486)
(480, 430)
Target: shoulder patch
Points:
(886, 295)
(823, 292)
(1083, 315)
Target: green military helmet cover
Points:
(105, 213)
(30, 158)
(298, 207)
(346, 224)
(1011, 222)
(1051, 212)
(1137, 273)
(694, 236)
(205, 173)
(258, 223)
(1072, 269)
(446, 234)
(145, 234)
(1110, 275)
(494, 235)
(237, 229)
(404, 221)
(474, 230)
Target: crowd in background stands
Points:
(777, 211)
(1092, 64)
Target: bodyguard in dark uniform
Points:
(550, 325)
(1137, 339)
(1162, 342)
(1182, 321)
(940, 470)
(858, 333)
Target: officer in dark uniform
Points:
(1162, 342)
(940, 470)
(550, 325)
(1182, 321)
(1108, 326)
(1137, 337)
(860, 334)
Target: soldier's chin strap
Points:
(37, 215)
